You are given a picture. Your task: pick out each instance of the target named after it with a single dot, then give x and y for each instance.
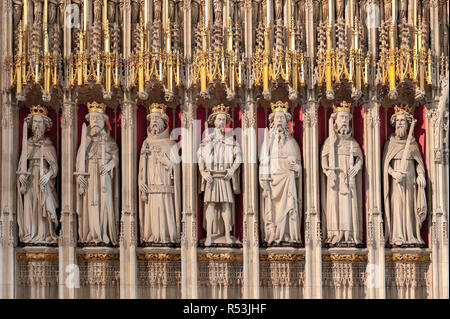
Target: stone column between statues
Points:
(374, 225)
(8, 237)
(189, 240)
(68, 237)
(128, 221)
(250, 236)
(313, 247)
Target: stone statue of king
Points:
(38, 168)
(342, 160)
(403, 182)
(280, 177)
(97, 180)
(219, 158)
(159, 182)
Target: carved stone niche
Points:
(220, 273)
(408, 273)
(344, 273)
(37, 273)
(99, 273)
(159, 273)
(282, 273)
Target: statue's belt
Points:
(218, 174)
(156, 189)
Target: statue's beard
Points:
(38, 132)
(220, 128)
(156, 129)
(280, 132)
(400, 131)
(343, 130)
(95, 130)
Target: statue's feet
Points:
(228, 240)
(208, 241)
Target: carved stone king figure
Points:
(37, 171)
(342, 160)
(159, 182)
(219, 158)
(97, 179)
(280, 177)
(403, 182)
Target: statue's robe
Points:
(281, 214)
(36, 209)
(404, 205)
(342, 203)
(97, 208)
(159, 215)
(219, 153)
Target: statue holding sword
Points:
(37, 171)
(97, 179)
(342, 160)
(403, 182)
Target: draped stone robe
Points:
(98, 211)
(219, 153)
(342, 202)
(36, 208)
(405, 204)
(281, 212)
(159, 215)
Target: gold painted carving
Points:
(37, 256)
(282, 257)
(98, 257)
(408, 258)
(219, 257)
(346, 257)
(158, 257)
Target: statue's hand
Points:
(353, 171)
(421, 182)
(143, 187)
(23, 180)
(104, 169)
(82, 184)
(293, 166)
(229, 174)
(398, 176)
(44, 179)
(331, 174)
(265, 185)
(208, 177)
(164, 161)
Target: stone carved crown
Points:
(39, 110)
(403, 109)
(343, 107)
(96, 107)
(221, 109)
(279, 107)
(157, 107)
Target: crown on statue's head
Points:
(343, 107)
(39, 110)
(279, 106)
(157, 107)
(403, 109)
(96, 107)
(220, 109)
